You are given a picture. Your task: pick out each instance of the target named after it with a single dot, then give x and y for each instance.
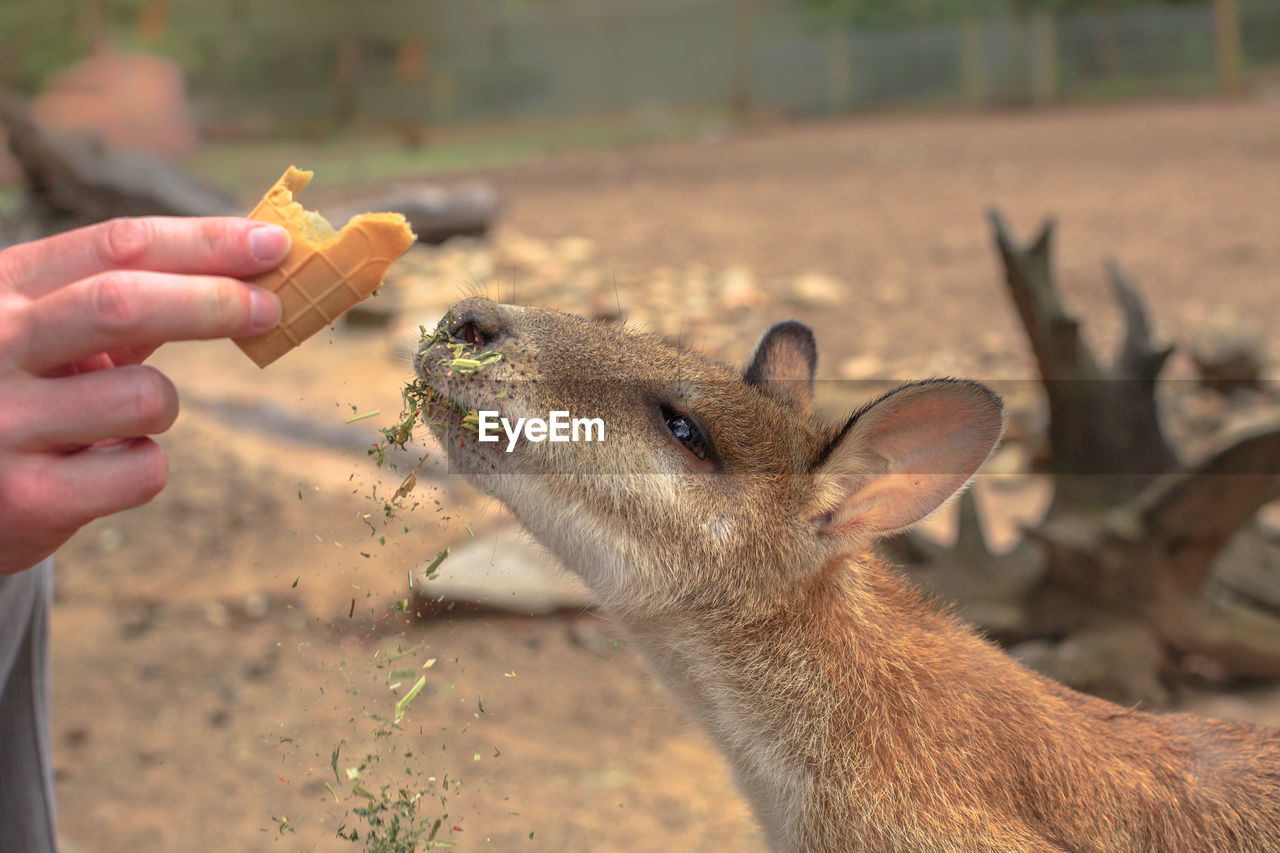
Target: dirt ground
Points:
(213, 649)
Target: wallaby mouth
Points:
(447, 361)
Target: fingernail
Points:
(268, 243)
(264, 310)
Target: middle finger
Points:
(77, 411)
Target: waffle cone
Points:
(326, 271)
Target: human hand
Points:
(79, 312)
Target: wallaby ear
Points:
(902, 456)
(784, 364)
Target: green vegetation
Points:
(393, 824)
(408, 813)
(359, 157)
(879, 13)
(455, 84)
(420, 404)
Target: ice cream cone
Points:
(326, 271)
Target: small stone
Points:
(993, 343)
(476, 265)
(606, 303)
(695, 283)
(735, 288)
(694, 293)
(521, 252)
(866, 366)
(1011, 461)
(1254, 416)
(891, 293)
(377, 312)
(1230, 350)
(1268, 521)
(110, 539)
(575, 250)
(956, 237)
(661, 286)
(506, 571)
(217, 614)
(256, 605)
(815, 288)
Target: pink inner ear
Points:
(892, 502)
(932, 437)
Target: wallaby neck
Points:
(859, 716)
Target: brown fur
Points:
(856, 715)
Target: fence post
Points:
(411, 65)
(1226, 19)
(839, 71)
(153, 20)
(348, 56)
(442, 83)
(1044, 58)
(973, 70)
(91, 22)
(740, 59)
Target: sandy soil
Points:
(214, 648)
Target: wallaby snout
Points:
(477, 322)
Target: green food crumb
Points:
(403, 705)
(430, 571)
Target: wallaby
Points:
(727, 532)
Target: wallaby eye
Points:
(685, 431)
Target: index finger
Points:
(215, 245)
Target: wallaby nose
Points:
(477, 322)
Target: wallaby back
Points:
(728, 530)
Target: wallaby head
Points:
(726, 527)
(713, 487)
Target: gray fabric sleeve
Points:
(26, 771)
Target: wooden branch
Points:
(1138, 358)
(1054, 334)
(1244, 572)
(1195, 512)
(1219, 494)
(1166, 538)
(1131, 540)
(993, 593)
(437, 213)
(971, 543)
(70, 183)
(1104, 427)
(1137, 366)
(1245, 642)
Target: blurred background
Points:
(589, 73)
(279, 653)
